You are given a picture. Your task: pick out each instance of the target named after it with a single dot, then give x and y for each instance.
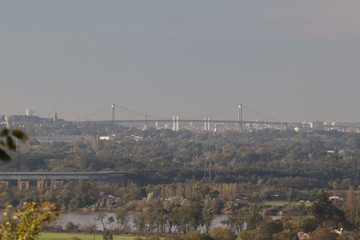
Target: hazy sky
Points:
(291, 60)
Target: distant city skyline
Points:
(292, 61)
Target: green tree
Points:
(81, 195)
(196, 216)
(252, 217)
(171, 208)
(268, 228)
(181, 217)
(208, 212)
(352, 207)
(236, 220)
(326, 212)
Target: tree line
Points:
(277, 158)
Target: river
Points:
(86, 219)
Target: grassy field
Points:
(275, 203)
(67, 236)
(283, 203)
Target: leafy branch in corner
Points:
(8, 141)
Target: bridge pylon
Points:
(240, 118)
(113, 112)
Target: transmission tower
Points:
(209, 168)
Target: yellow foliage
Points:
(25, 223)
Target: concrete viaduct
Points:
(55, 180)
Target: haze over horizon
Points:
(293, 61)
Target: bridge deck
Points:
(195, 121)
(90, 176)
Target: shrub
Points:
(323, 234)
(308, 223)
(74, 238)
(71, 227)
(247, 235)
(221, 233)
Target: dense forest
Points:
(179, 181)
(277, 158)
